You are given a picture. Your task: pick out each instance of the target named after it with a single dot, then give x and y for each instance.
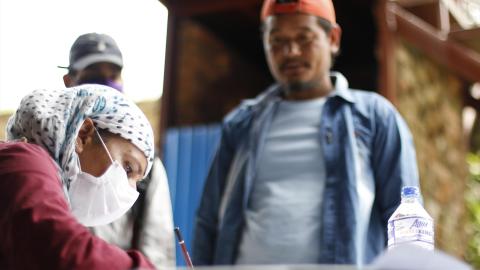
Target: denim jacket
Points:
(369, 155)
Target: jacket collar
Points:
(341, 87)
(273, 92)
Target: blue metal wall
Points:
(187, 154)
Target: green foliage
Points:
(472, 198)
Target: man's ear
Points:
(335, 37)
(67, 80)
(85, 136)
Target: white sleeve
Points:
(117, 233)
(157, 239)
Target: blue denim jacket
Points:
(369, 155)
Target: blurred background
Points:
(189, 62)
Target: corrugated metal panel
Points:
(187, 155)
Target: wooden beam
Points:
(414, 3)
(168, 101)
(466, 35)
(444, 17)
(460, 59)
(164, 2)
(196, 7)
(386, 49)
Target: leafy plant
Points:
(472, 198)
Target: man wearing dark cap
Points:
(148, 226)
(309, 171)
(95, 58)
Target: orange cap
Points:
(320, 8)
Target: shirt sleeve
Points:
(157, 239)
(394, 158)
(37, 230)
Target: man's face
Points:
(298, 50)
(101, 73)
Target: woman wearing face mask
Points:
(88, 146)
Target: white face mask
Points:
(100, 200)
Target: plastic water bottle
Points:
(410, 223)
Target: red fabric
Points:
(37, 230)
(321, 8)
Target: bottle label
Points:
(410, 229)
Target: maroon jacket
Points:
(37, 230)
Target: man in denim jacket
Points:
(310, 170)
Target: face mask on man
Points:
(102, 81)
(101, 200)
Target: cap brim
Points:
(97, 58)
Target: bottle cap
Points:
(410, 191)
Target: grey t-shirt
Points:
(283, 219)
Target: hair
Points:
(72, 72)
(104, 133)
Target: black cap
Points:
(93, 48)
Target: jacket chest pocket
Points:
(364, 138)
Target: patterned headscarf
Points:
(52, 119)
